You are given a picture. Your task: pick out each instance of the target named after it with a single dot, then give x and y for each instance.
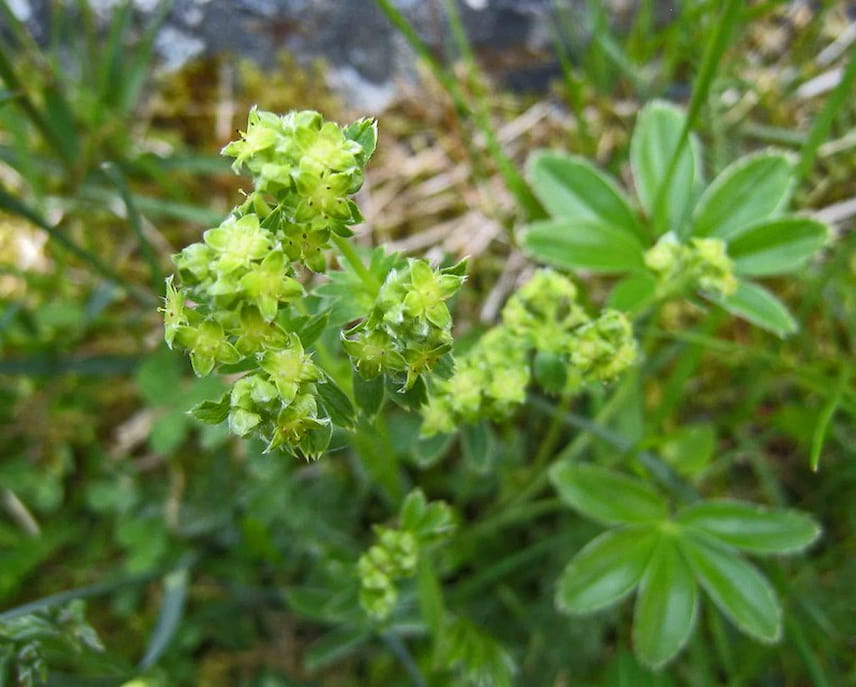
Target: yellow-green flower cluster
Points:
(544, 330)
(396, 554)
(393, 557)
(702, 263)
(239, 282)
(408, 328)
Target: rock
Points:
(512, 38)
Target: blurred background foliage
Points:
(206, 562)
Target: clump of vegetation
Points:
(358, 465)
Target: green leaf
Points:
(751, 527)
(428, 451)
(741, 592)
(158, 371)
(758, 306)
(364, 132)
(312, 328)
(623, 670)
(776, 246)
(168, 433)
(550, 370)
(315, 442)
(368, 393)
(606, 570)
(606, 496)
(336, 403)
(749, 190)
(690, 448)
(572, 244)
(655, 138)
(478, 446)
(666, 606)
(430, 594)
(211, 412)
(632, 293)
(571, 188)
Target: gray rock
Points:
(367, 57)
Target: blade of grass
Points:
(481, 117)
(98, 589)
(109, 83)
(573, 85)
(17, 207)
(514, 181)
(823, 122)
(660, 470)
(400, 651)
(116, 177)
(169, 618)
(25, 102)
(818, 436)
(808, 377)
(714, 51)
(611, 49)
(688, 360)
(140, 63)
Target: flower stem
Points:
(350, 255)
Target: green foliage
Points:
(670, 557)
(543, 322)
(733, 228)
(243, 281)
(402, 557)
(32, 644)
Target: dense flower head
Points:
(396, 552)
(393, 557)
(241, 281)
(408, 328)
(544, 331)
(701, 263)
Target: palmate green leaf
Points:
(777, 246)
(666, 606)
(751, 527)
(655, 137)
(751, 189)
(573, 244)
(760, 307)
(737, 588)
(606, 570)
(606, 496)
(571, 188)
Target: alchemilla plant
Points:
(258, 297)
(242, 306)
(681, 237)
